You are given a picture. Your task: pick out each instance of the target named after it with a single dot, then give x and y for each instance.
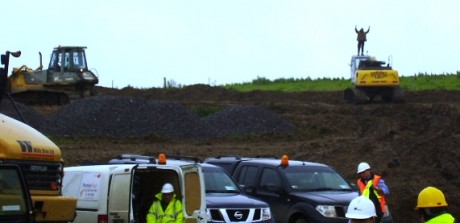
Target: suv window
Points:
(247, 176)
(269, 177)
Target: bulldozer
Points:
(67, 78)
(373, 80)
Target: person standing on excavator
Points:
(361, 39)
(372, 186)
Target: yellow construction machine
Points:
(67, 78)
(373, 80)
(39, 159)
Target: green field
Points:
(417, 82)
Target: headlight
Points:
(266, 214)
(208, 214)
(88, 76)
(327, 211)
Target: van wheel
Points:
(301, 220)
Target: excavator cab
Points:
(355, 64)
(66, 78)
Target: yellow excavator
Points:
(373, 80)
(67, 78)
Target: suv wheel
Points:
(301, 220)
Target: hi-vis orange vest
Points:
(364, 190)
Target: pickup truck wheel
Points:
(301, 220)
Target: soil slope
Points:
(413, 145)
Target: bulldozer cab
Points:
(68, 59)
(68, 66)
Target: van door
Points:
(193, 199)
(119, 196)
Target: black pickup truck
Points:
(297, 191)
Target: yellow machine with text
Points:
(39, 159)
(373, 80)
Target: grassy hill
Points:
(413, 83)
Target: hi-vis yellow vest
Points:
(172, 214)
(364, 189)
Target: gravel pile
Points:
(115, 116)
(31, 116)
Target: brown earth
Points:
(413, 145)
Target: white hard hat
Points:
(363, 166)
(167, 188)
(361, 208)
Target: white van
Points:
(123, 193)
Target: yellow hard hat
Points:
(431, 197)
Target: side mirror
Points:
(5, 57)
(16, 54)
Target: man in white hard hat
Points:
(373, 187)
(166, 208)
(361, 209)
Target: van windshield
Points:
(305, 178)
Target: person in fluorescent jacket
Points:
(373, 186)
(166, 208)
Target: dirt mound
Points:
(243, 120)
(413, 145)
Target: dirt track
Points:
(413, 145)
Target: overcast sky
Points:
(217, 42)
